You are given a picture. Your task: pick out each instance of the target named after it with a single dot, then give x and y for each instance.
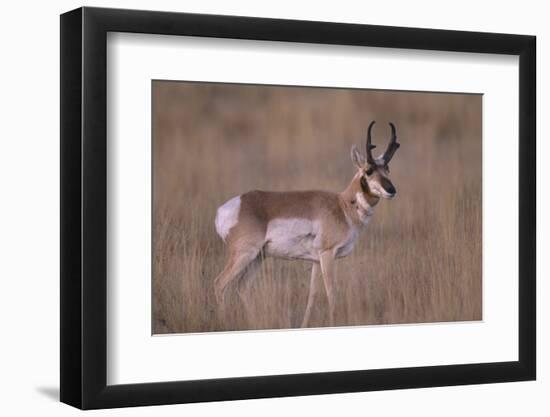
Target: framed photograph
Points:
(258, 208)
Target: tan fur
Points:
(337, 218)
(260, 207)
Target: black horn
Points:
(392, 146)
(370, 146)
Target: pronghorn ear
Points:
(357, 158)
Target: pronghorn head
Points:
(373, 173)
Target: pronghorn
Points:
(318, 226)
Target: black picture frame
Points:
(84, 207)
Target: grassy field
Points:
(419, 259)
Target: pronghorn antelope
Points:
(318, 226)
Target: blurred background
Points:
(418, 260)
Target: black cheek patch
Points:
(364, 185)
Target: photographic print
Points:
(280, 207)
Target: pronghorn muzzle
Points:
(388, 187)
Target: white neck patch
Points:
(364, 210)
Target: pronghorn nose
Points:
(388, 186)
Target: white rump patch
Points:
(227, 216)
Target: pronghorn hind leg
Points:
(236, 265)
(327, 268)
(313, 290)
(245, 284)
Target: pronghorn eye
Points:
(369, 171)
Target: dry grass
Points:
(419, 260)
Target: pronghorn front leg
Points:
(313, 290)
(327, 268)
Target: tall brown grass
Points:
(419, 259)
